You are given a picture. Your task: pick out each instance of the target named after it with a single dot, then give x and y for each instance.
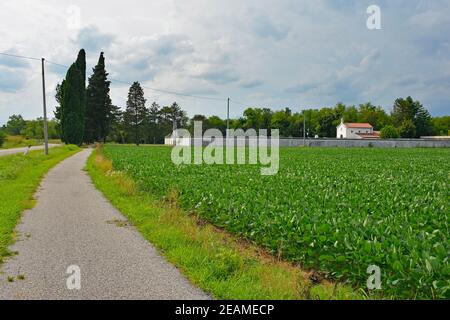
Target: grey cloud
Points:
(264, 27)
(12, 62)
(202, 91)
(12, 80)
(302, 88)
(251, 84)
(218, 76)
(406, 81)
(440, 80)
(92, 39)
(345, 83)
(167, 45)
(143, 58)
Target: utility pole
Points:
(304, 127)
(228, 117)
(44, 100)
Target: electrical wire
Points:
(170, 92)
(18, 56)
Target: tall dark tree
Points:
(58, 108)
(408, 113)
(171, 115)
(81, 66)
(117, 130)
(59, 98)
(174, 114)
(136, 113)
(71, 97)
(98, 104)
(72, 113)
(154, 116)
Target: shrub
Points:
(407, 129)
(2, 138)
(389, 132)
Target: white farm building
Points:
(356, 131)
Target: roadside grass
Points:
(218, 262)
(20, 176)
(20, 141)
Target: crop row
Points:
(337, 211)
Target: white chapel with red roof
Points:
(356, 131)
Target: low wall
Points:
(336, 143)
(394, 143)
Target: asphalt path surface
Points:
(75, 245)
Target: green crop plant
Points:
(336, 211)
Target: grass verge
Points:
(217, 262)
(20, 141)
(19, 178)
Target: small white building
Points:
(356, 131)
(173, 140)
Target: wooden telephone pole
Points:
(44, 100)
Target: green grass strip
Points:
(20, 176)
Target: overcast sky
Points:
(280, 53)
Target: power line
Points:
(153, 89)
(56, 64)
(241, 103)
(18, 56)
(171, 92)
(129, 83)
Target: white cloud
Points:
(294, 53)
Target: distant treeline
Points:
(152, 124)
(86, 115)
(408, 119)
(30, 129)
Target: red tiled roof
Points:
(358, 125)
(374, 135)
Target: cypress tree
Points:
(58, 110)
(71, 117)
(98, 104)
(81, 66)
(136, 113)
(72, 96)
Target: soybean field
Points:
(336, 211)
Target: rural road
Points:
(7, 152)
(73, 224)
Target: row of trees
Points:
(30, 129)
(85, 114)
(408, 119)
(139, 124)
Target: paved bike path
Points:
(72, 224)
